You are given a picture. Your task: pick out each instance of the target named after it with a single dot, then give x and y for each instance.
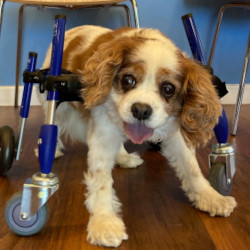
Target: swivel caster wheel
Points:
(218, 178)
(22, 227)
(7, 148)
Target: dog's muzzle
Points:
(138, 132)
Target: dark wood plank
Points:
(155, 210)
(233, 232)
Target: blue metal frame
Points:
(47, 147)
(193, 38)
(31, 67)
(25, 106)
(57, 51)
(48, 133)
(221, 129)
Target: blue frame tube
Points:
(48, 133)
(25, 106)
(221, 129)
(57, 51)
(193, 38)
(47, 147)
(31, 67)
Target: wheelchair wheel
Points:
(7, 148)
(20, 227)
(218, 178)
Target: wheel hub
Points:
(19, 221)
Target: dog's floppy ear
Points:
(201, 105)
(100, 71)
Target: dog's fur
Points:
(137, 85)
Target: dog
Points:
(137, 85)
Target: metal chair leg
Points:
(127, 14)
(136, 13)
(18, 57)
(1, 14)
(221, 13)
(241, 89)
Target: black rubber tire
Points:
(218, 179)
(24, 228)
(7, 149)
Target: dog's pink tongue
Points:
(138, 132)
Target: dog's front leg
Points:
(199, 191)
(105, 226)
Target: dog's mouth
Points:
(138, 132)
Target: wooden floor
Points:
(155, 210)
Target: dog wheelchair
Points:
(26, 212)
(222, 157)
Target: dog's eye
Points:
(128, 82)
(167, 89)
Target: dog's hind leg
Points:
(126, 160)
(59, 144)
(70, 125)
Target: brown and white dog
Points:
(137, 85)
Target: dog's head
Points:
(149, 80)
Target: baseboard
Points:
(7, 95)
(231, 96)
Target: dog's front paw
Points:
(215, 204)
(132, 160)
(106, 230)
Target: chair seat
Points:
(67, 2)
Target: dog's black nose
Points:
(141, 111)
